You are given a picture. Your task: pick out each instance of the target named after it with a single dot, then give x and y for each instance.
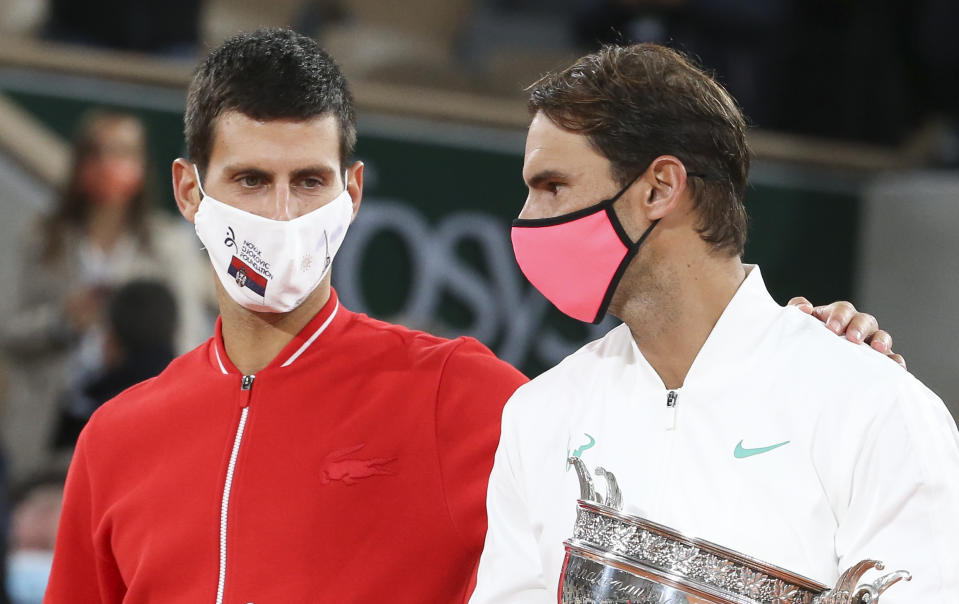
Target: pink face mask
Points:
(576, 260)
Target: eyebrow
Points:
(318, 170)
(324, 171)
(546, 175)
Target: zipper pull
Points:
(671, 399)
(246, 389)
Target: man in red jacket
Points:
(305, 453)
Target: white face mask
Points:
(271, 265)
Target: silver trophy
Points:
(618, 558)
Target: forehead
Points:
(549, 147)
(117, 130)
(275, 144)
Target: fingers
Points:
(841, 318)
(881, 341)
(898, 358)
(861, 327)
(836, 316)
(802, 304)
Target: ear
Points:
(185, 188)
(665, 181)
(354, 184)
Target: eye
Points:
(311, 182)
(250, 180)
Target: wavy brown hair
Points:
(636, 103)
(73, 207)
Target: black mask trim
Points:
(623, 265)
(631, 246)
(563, 218)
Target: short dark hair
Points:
(638, 102)
(268, 74)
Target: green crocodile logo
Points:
(578, 452)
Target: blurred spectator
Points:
(139, 344)
(101, 235)
(740, 39)
(168, 27)
(33, 535)
(869, 70)
(852, 73)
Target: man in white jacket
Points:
(722, 414)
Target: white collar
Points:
(742, 326)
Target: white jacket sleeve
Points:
(903, 500)
(510, 569)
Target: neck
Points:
(253, 339)
(106, 225)
(672, 315)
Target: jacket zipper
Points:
(667, 442)
(246, 388)
(671, 399)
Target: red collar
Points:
(321, 323)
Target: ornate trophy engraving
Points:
(618, 558)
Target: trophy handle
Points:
(614, 497)
(870, 592)
(849, 579)
(848, 590)
(587, 492)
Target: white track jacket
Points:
(786, 443)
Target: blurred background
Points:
(854, 189)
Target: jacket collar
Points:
(330, 316)
(738, 334)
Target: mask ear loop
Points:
(615, 197)
(632, 247)
(198, 183)
(632, 250)
(617, 225)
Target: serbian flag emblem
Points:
(246, 276)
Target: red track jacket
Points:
(352, 469)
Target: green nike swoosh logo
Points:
(741, 452)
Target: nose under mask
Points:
(577, 260)
(271, 265)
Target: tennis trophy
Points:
(618, 558)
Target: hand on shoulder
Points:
(842, 318)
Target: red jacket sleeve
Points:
(474, 387)
(83, 567)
